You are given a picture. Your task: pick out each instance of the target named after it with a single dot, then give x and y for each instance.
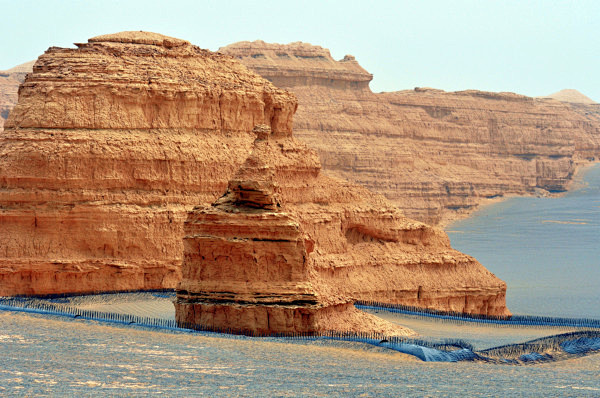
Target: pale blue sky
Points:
(528, 47)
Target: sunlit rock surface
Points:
(109, 146)
(114, 142)
(286, 239)
(435, 154)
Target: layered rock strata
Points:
(113, 142)
(109, 146)
(248, 266)
(437, 155)
(319, 241)
(430, 152)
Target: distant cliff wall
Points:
(436, 154)
(9, 84)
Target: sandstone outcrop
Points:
(435, 154)
(113, 142)
(284, 226)
(109, 146)
(9, 83)
(248, 264)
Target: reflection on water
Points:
(546, 249)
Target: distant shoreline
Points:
(576, 182)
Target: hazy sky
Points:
(528, 47)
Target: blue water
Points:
(546, 249)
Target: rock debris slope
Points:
(108, 147)
(435, 154)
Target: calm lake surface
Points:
(546, 249)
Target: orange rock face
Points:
(437, 155)
(248, 265)
(109, 146)
(299, 237)
(9, 83)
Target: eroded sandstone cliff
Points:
(249, 265)
(435, 154)
(112, 143)
(360, 246)
(9, 82)
(108, 147)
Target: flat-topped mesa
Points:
(141, 80)
(435, 154)
(299, 63)
(109, 146)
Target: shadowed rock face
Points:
(109, 146)
(437, 155)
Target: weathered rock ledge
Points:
(437, 155)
